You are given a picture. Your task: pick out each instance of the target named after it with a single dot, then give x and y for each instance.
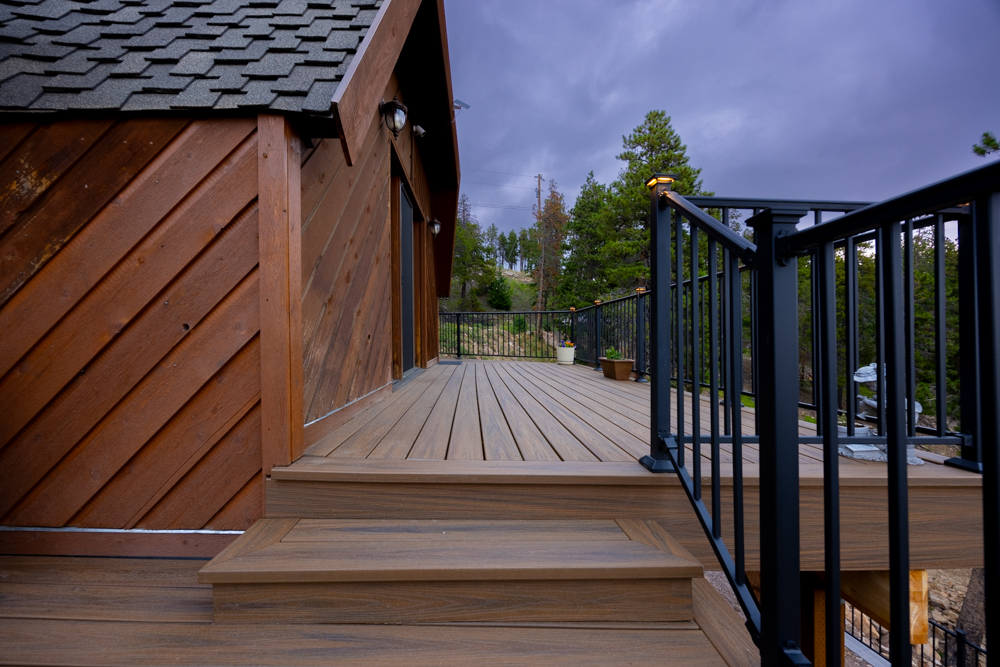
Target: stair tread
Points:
(472, 551)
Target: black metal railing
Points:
(526, 335)
(722, 324)
(944, 647)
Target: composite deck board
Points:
(498, 439)
(527, 411)
(432, 443)
(398, 442)
(466, 431)
(519, 406)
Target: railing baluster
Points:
(713, 346)
(727, 332)
(826, 307)
(851, 329)
(911, 381)
(736, 380)
(681, 333)
(893, 411)
(695, 364)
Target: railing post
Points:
(458, 333)
(777, 344)
(660, 439)
(572, 326)
(640, 336)
(597, 335)
(987, 220)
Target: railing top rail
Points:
(716, 230)
(503, 312)
(610, 301)
(705, 201)
(929, 199)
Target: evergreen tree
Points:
(583, 277)
(550, 227)
(490, 242)
(469, 267)
(987, 145)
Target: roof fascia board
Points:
(361, 88)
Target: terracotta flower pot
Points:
(617, 369)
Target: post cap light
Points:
(572, 309)
(435, 226)
(597, 300)
(394, 113)
(657, 179)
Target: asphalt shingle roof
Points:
(172, 55)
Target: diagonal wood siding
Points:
(345, 273)
(129, 320)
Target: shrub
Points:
(519, 325)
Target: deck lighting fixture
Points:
(434, 225)
(572, 309)
(597, 300)
(394, 113)
(640, 290)
(657, 179)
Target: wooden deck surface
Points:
(529, 411)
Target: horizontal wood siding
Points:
(345, 273)
(129, 320)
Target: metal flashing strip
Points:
(127, 531)
(864, 653)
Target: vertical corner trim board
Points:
(279, 198)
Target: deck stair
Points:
(358, 571)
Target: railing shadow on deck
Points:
(734, 286)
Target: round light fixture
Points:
(435, 226)
(394, 113)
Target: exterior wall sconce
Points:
(394, 113)
(435, 226)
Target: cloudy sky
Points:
(831, 99)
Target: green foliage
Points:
(519, 325)
(612, 353)
(607, 248)
(987, 145)
(470, 270)
(499, 293)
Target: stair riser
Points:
(658, 600)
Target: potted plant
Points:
(566, 352)
(614, 366)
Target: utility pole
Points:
(541, 242)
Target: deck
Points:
(527, 431)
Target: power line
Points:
(498, 185)
(512, 208)
(505, 173)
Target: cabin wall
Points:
(345, 274)
(129, 320)
(348, 242)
